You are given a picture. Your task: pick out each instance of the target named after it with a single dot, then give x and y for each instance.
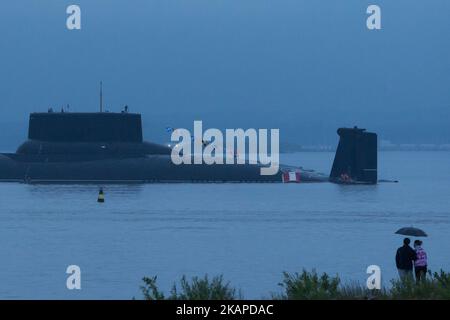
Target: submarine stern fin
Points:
(356, 156)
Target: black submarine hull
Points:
(148, 169)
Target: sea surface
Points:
(250, 233)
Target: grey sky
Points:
(305, 67)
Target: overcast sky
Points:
(306, 67)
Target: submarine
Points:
(108, 147)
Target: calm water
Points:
(248, 232)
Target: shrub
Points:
(194, 289)
(435, 287)
(150, 290)
(304, 286)
(309, 286)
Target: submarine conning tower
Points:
(356, 159)
(97, 133)
(85, 127)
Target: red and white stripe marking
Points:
(291, 176)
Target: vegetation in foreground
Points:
(193, 289)
(304, 286)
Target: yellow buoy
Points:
(101, 196)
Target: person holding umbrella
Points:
(404, 260)
(420, 265)
(406, 256)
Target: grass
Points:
(305, 286)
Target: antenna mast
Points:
(101, 96)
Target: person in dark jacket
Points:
(404, 260)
